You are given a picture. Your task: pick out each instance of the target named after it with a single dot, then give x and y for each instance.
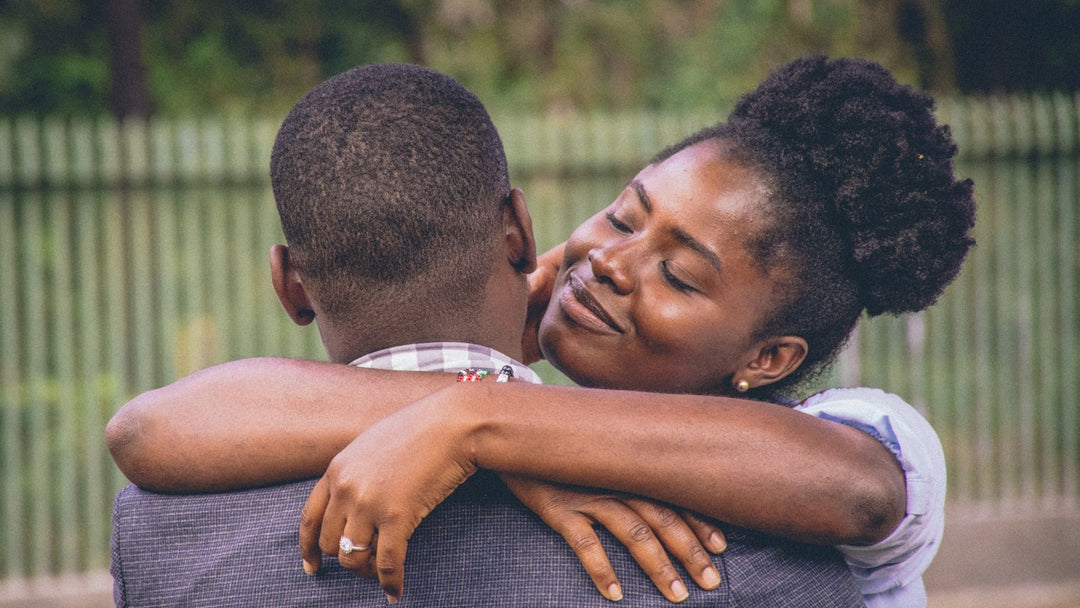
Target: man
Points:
(410, 250)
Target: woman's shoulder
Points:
(863, 403)
(901, 558)
(886, 416)
(863, 394)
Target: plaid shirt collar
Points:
(444, 357)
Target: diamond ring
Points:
(347, 546)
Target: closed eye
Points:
(674, 280)
(617, 224)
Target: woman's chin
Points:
(578, 369)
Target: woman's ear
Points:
(289, 288)
(520, 242)
(775, 360)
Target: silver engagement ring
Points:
(347, 546)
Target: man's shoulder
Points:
(207, 549)
(480, 547)
(190, 517)
(765, 570)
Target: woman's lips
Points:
(582, 307)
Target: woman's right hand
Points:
(646, 527)
(541, 282)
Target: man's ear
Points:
(518, 230)
(774, 360)
(289, 288)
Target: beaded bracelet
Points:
(472, 374)
(476, 374)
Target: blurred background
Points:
(135, 218)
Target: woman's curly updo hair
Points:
(866, 213)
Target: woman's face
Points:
(658, 291)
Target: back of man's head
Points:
(390, 182)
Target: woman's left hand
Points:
(379, 488)
(647, 528)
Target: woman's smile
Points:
(579, 304)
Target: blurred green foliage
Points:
(226, 56)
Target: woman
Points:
(735, 265)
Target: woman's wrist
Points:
(468, 411)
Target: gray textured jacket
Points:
(479, 548)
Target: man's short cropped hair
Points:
(389, 179)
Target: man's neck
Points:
(496, 321)
(344, 346)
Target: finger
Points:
(552, 258)
(355, 547)
(311, 524)
(393, 543)
(333, 524)
(582, 538)
(540, 283)
(679, 539)
(707, 532)
(534, 280)
(638, 537)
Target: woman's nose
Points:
(613, 264)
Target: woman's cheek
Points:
(662, 322)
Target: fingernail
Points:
(710, 578)
(614, 592)
(309, 568)
(391, 599)
(718, 543)
(678, 589)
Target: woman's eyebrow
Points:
(643, 197)
(680, 235)
(698, 247)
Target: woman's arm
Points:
(758, 465)
(254, 422)
(261, 421)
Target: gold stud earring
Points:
(742, 386)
